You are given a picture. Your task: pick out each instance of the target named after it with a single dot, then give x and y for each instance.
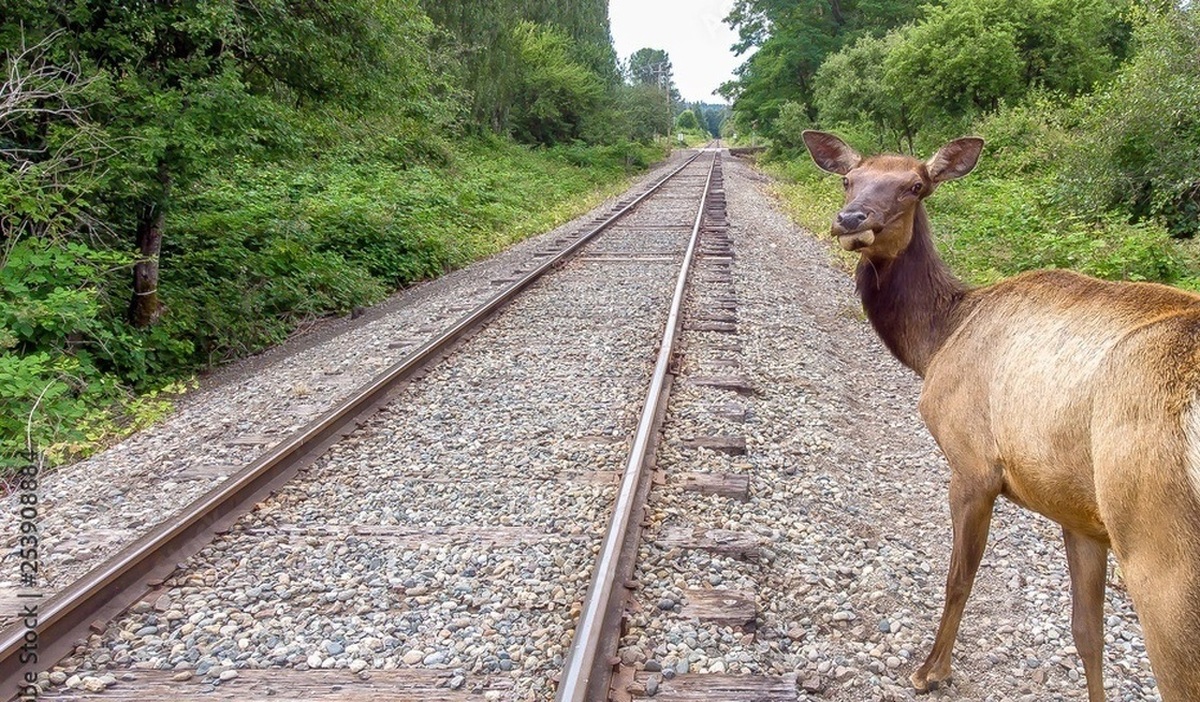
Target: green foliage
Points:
(482, 37)
(53, 345)
(963, 59)
(1080, 170)
(555, 94)
(792, 121)
(643, 113)
(1028, 138)
(852, 87)
(687, 120)
(990, 228)
(650, 67)
(1141, 149)
(969, 56)
(790, 41)
(713, 117)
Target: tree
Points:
(650, 67)
(555, 94)
(481, 35)
(181, 86)
(653, 67)
(968, 56)
(687, 121)
(710, 117)
(789, 40)
(851, 87)
(644, 112)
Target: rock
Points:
(435, 658)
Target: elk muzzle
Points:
(854, 229)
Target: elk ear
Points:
(954, 160)
(830, 153)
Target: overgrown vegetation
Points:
(1089, 110)
(184, 183)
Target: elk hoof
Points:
(924, 682)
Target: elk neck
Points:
(913, 300)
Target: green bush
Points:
(56, 350)
(1140, 148)
(991, 228)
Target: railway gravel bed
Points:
(92, 508)
(844, 540)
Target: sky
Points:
(690, 31)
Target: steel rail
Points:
(116, 583)
(581, 659)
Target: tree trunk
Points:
(145, 307)
(838, 17)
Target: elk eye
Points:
(845, 182)
(917, 188)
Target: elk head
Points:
(883, 192)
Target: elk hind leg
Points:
(1087, 560)
(971, 513)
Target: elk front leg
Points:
(1087, 560)
(971, 513)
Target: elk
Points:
(1073, 397)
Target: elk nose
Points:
(850, 219)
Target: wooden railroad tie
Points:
(729, 445)
(734, 487)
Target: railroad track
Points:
(444, 549)
(371, 498)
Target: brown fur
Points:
(1074, 397)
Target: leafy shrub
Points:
(55, 348)
(992, 228)
(851, 88)
(792, 121)
(1141, 143)
(1026, 138)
